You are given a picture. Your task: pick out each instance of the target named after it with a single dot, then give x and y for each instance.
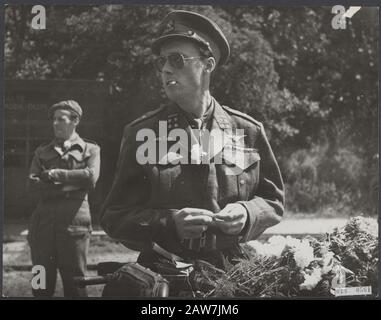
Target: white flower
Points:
(303, 254)
(274, 247)
(328, 262)
(292, 242)
(311, 280)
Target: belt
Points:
(75, 194)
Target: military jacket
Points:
(63, 200)
(138, 207)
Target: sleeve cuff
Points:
(59, 175)
(260, 217)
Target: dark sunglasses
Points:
(176, 60)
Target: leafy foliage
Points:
(315, 88)
(288, 267)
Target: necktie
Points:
(196, 145)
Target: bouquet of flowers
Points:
(290, 267)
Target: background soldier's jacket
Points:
(138, 208)
(76, 172)
(60, 226)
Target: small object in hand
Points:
(51, 174)
(217, 220)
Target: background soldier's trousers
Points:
(59, 248)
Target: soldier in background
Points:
(64, 171)
(200, 210)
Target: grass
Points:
(17, 264)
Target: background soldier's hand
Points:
(231, 219)
(44, 176)
(191, 222)
(34, 178)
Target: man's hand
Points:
(231, 219)
(192, 222)
(34, 178)
(51, 176)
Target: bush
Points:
(288, 267)
(317, 180)
(287, 69)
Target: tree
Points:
(315, 88)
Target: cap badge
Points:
(170, 26)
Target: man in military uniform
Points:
(64, 171)
(199, 209)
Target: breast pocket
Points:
(248, 178)
(50, 161)
(179, 185)
(169, 176)
(238, 176)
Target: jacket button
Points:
(241, 182)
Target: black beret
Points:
(69, 105)
(195, 27)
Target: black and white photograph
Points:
(190, 152)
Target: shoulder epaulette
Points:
(90, 141)
(44, 144)
(147, 116)
(242, 115)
